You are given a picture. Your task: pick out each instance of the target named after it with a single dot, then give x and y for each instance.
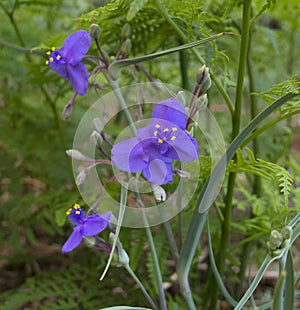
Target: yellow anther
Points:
(160, 141)
(47, 62)
(48, 53)
(51, 59)
(174, 129)
(155, 133)
(157, 126)
(58, 57)
(77, 212)
(53, 49)
(173, 138)
(69, 211)
(166, 129)
(76, 206)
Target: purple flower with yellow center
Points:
(84, 226)
(157, 145)
(67, 63)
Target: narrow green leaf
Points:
(278, 292)
(289, 290)
(115, 68)
(123, 201)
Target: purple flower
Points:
(67, 63)
(156, 145)
(84, 226)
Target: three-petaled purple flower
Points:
(155, 146)
(84, 226)
(67, 63)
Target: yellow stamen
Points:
(155, 133)
(69, 211)
(76, 206)
(166, 129)
(157, 126)
(173, 138)
(51, 59)
(47, 62)
(53, 48)
(58, 57)
(160, 141)
(77, 212)
(174, 129)
(48, 53)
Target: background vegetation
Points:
(36, 179)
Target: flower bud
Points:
(98, 124)
(74, 154)
(95, 31)
(126, 47)
(203, 80)
(81, 177)
(96, 138)
(180, 96)
(183, 174)
(286, 232)
(159, 193)
(201, 102)
(275, 240)
(123, 256)
(126, 31)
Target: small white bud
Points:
(81, 177)
(123, 256)
(201, 102)
(180, 96)
(159, 192)
(74, 154)
(183, 174)
(96, 138)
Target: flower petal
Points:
(76, 46)
(172, 111)
(184, 148)
(73, 241)
(94, 224)
(78, 77)
(129, 156)
(159, 171)
(60, 68)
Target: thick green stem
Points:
(181, 34)
(236, 123)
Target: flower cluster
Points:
(67, 63)
(84, 226)
(157, 145)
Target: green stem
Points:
(115, 86)
(136, 279)
(236, 123)
(183, 58)
(187, 253)
(181, 34)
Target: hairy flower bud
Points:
(96, 138)
(81, 177)
(126, 47)
(275, 240)
(201, 102)
(203, 80)
(180, 96)
(183, 174)
(126, 31)
(95, 31)
(159, 193)
(286, 232)
(74, 154)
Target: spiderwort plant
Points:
(157, 145)
(84, 226)
(67, 61)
